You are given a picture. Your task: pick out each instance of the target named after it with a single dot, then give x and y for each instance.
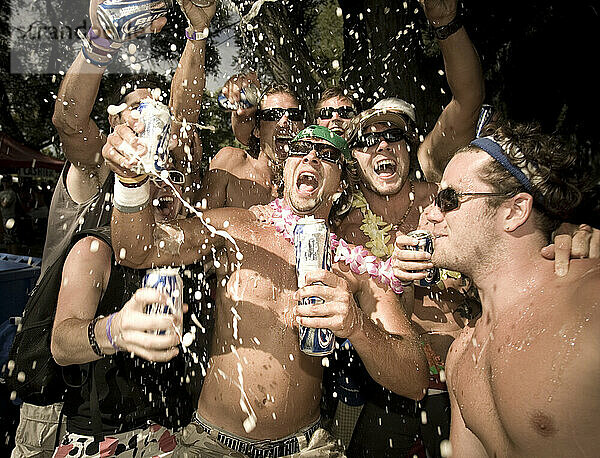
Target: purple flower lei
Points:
(358, 258)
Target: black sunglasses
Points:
(343, 112)
(275, 114)
(374, 138)
(324, 151)
(447, 199)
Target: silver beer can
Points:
(313, 252)
(425, 244)
(249, 97)
(157, 129)
(485, 116)
(168, 281)
(122, 18)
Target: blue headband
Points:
(494, 149)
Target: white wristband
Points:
(131, 199)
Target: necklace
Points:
(358, 258)
(376, 228)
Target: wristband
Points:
(134, 182)
(443, 32)
(131, 199)
(108, 333)
(92, 336)
(193, 35)
(97, 50)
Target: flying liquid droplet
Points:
(122, 253)
(187, 340)
(10, 223)
(445, 448)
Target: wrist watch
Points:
(193, 35)
(443, 32)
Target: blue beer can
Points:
(425, 244)
(168, 281)
(122, 18)
(311, 243)
(249, 97)
(485, 116)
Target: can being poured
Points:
(157, 128)
(120, 19)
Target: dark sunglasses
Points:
(447, 199)
(275, 114)
(374, 138)
(324, 152)
(343, 112)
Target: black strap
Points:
(95, 408)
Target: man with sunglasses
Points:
(520, 379)
(239, 178)
(261, 395)
(335, 109)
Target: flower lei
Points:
(358, 258)
(373, 227)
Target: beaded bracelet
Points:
(92, 336)
(108, 334)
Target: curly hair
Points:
(552, 167)
(343, 205)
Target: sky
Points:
(227, 49)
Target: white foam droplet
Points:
(94, 246)
(116, 109)
(10, 223)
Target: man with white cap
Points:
(385, 143)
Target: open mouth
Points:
(385, 168)
(165, 205)
(307, 183)
(338, 130)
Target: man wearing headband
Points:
(261, 393)
(521, 379)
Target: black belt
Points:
(260, 449)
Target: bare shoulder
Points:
(229, 159)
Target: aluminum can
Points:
(157, 129)
(311, 242)
(249, 97)
(122, 18)
(168, 281)
(485, 115)
(425, 244)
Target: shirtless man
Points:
(336, 107)
(386, 146)
(260, 386)
(237, 178)
(522, 380)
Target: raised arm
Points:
(187, 89)
(456, 125)
(243, 120)
(374, 321)
(81, 139)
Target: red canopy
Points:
(17, 155)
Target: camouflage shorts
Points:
(154, 441)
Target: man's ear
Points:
(518, 210)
